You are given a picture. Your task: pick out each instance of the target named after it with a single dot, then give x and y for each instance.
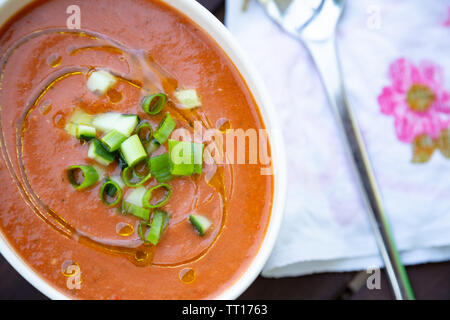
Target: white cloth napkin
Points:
(325, 226)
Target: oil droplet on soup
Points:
(45, 107)
(141, 256)
(223, 125)
(54, 60)
(124, 229)
(187, 275)
(69, 268)
(58, 120)
(114, 95)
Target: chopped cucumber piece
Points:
(100, 82)
(113, 139)
(118, 180)
(85, 132)
(188, 98)
(123, 123)
(98, 153)
(133, 151)
(134, 204)
(200, 223)
(78, 117)
(136, 196)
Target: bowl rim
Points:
(226, 41)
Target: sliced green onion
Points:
(111, 189)
(146, 225)
(100, 170)
(113, 139)
(124, 123)
(133, 151)
(80, 117)
(181, 158)
(164, 129)
(160, 167)
(129, 173)
(85, 132)
(161, 202)
(135, 210)
(98, 153)
(157, 227)
(152, 146)
(154, 103)
(200, 223)
(142, 169)
(82, 176)
(188, 98)
(185, 157)
(144, 131)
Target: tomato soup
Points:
(92, 118)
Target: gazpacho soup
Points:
(135, 163)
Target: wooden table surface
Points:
(429, 281)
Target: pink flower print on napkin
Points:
(419, 104)
(447, 21)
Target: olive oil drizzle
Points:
(154, 78)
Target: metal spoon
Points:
(314, 22)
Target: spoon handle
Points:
(325, 56)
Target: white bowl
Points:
(226, 41)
